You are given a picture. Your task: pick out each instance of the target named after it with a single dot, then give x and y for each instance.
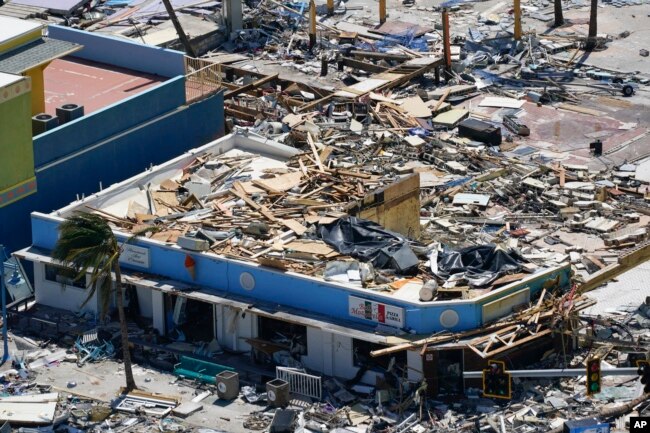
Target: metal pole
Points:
(5, 341)
(567, 372)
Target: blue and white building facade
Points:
(334, 316)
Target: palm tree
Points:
(593, 26)
(87, 244)
(559, 17)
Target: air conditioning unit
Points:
(68, 112)
(277, 392)
(227, 385)
(43, 122)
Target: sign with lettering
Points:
(376, 312)
(134, 255)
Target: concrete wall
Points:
(111, 159)
(120, 52)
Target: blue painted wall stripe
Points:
(119, 52)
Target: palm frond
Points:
(87, 244)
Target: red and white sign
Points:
(376, 312)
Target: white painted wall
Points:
(414, 361)
(343, 361)
(232, 328)
(157, 310)
(56, 295)
(314, 360)
(145, 300)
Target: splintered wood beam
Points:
(310, 140)
(251, 86)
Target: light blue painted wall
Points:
(113, 119)
(275, 287)
(111, 159)
(119, 52)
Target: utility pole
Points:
(382, 11)
(5, 340)
(179, 29)
(330, 7)
(446, 40)
(517, 19)
(312, 24)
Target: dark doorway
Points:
(443, 371)
(189, 320)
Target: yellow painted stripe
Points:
(21, 40)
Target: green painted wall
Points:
(16, 151)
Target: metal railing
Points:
(202, 79)
(301, 383)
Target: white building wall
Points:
(56, 295)
(145, 300)
(414, 362)
(315, 350)
(232, 328)
(157, 309)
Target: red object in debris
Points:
(519, 233)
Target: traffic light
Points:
(496, 382)
(594, 376)
(644, 372)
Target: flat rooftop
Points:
(94, 85)
(13, 28)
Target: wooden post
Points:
(312, 24)
(179, 29)
(382, 11)
(330, 7)
(446, 39)
(517, 20)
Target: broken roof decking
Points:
(244, 277)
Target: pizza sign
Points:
(376, 312)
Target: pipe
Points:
(567, 372)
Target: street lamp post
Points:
(3, 289)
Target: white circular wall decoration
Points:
(247, 281)
(449, 318)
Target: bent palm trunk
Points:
(126, 354)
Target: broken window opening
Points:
(289, 335)
(361, 356)
(64, 276)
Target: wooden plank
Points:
(518, 343)
(310, 140)
(261, 208)
(250, 86)
(441, 100)
(295, 226)
(363, 66)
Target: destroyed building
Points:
(263, 253)
(433, 220)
